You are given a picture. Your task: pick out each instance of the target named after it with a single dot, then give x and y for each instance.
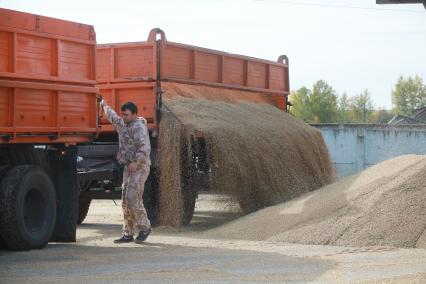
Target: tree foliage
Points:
(343, 108)
(408, 94)
(321, 104)
(316, 105)
(381, 116)
(361, 107)
(300, 102)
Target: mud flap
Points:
(64, 174)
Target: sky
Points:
(353, 45)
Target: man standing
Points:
(134, 154)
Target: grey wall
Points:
(354, 147)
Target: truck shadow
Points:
(83, 262)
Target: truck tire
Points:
(3, 171)
(177, 205)
(27, 208)
(150, 197)
(189, 190)
(83, 209)
(189, 199)
(84, 202)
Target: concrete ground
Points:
(184, 256)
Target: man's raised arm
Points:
(111, 115)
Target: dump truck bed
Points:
(135, 71)
(47, 80)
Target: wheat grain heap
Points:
(384, 205)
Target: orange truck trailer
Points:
(137, 71)
(47, 107)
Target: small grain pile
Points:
(257, 153)
(383, 205)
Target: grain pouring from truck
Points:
(138, 72)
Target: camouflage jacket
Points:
(133, 138)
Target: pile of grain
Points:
(257, 153)
(383, 205)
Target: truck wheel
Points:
(150, 197)
(27, 208)
(189, 190)
(84, 202)
(189, 199)
(83, 209)
(3, 171)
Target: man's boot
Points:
(142, 236)
(124, 239)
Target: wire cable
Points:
(289, 2)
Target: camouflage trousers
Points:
(135, 216)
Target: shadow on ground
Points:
(78, 263)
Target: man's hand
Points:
(132, 167)
(99, 98)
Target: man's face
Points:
(128, 116)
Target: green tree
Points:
(316, 105)
(343, 108)
(381, 116)
(408, 95)
(361, 107)
(323, 102)
(300, 101)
